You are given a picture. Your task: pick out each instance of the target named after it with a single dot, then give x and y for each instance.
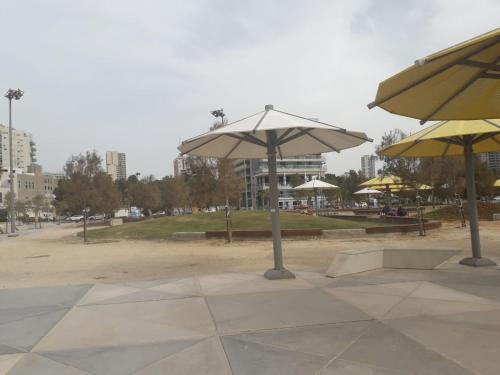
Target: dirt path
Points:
(55, 256)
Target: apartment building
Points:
(368, 166)
(23, 148)
(116, 165)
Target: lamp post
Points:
(12, 94)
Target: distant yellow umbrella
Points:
(383, 181)
(450, 138)
(458, 83)
(497, 183)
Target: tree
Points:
(86, 187)
(145, 195)
(228, 184)
(38, 202)
(202, 182)
(401, 167)
(173, 193)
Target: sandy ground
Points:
(55, 256)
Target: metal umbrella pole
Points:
(476, 259)
(279, 271)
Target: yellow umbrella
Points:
(497, 183)
(383, 181)
(449, 138)
(458, 83)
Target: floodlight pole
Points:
(476, 260)
(279, 271)
(12, 94)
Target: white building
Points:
(116, 165)
(492, 159)
(182, 165)
(368, 166)
(23, 148)
(256, 180)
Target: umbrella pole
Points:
(279, 271)
(316, 201)
(476, 260)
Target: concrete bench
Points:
(355, 261)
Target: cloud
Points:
(139, 77)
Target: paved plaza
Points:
(384, 322)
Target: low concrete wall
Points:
(356, 261)
(496, 217)
(116, 221)
(343, 233)
(403, 228)
(187, 236)
(313, 232)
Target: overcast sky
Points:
(140, 76)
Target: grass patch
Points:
(485, 211)
(162, 228)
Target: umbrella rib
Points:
(321, 141)
(202, 144)
(407, 148)
(439, 71)
(233, 148)
(492, 123)
(483, 137)
(288, 131)
(247, 137)
(279, 152)
(447, 147)
(260, 121)
(479, 64)
(319, 122)
(292, 137)
(455, 94)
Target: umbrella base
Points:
(274, 274)
(13, 235)
(477, 262)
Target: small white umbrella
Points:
(265, 135)
(368, 191)
(316, 185)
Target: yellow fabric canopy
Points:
(404, 187)
(447, 139)
(458, 83)
(497, 183)
(383, 181)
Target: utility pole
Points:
(12, 94)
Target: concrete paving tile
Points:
(12, 315)
(385, 347)
(8, 361)
(93, 326)
(289, 308)
(25, 333)
(471, 339)
(375, 305)
(118, 360)
(342, 367)
(206, 357)
(434, 291)
(385, 276)
(100, 292)
(323, 340)
(246, 357)
(180, 287)
(143, 295)
(65, 296)
(422, 306)
(31, 364)
(247, 283)
(391, 289)
(144, 284)
(315, 278)
(491, 292)
(5, 349)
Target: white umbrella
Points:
(368, 191)
(315, 185)
(266, 134)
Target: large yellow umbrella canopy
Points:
(497, 183)
(447, 138)
(459, 83)
(450, 138)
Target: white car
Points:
(76, 218)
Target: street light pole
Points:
(12, 94)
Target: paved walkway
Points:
(384, 322)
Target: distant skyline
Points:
(141, 77)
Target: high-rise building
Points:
(23, 148)
(368, 166)
(182, 165)
(116, 165)
(492, 159)
(256, 180)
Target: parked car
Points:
(76, 218)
